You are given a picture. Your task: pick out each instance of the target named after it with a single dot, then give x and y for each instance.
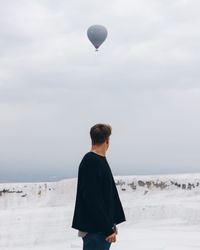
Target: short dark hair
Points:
(99, 133)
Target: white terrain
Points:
(162, 213)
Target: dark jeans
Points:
(95, 241)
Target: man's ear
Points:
(107, 140)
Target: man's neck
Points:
(98, 151)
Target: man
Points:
(98, 208)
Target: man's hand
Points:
(112, 238)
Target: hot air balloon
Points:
(97, 35)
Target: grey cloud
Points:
(144, 81)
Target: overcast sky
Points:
(144, 82)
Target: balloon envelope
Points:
(97, 35)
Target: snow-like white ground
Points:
(162, 212)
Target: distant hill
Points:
(41, 213)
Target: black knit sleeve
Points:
(93, 197)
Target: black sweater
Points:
(98, 206)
